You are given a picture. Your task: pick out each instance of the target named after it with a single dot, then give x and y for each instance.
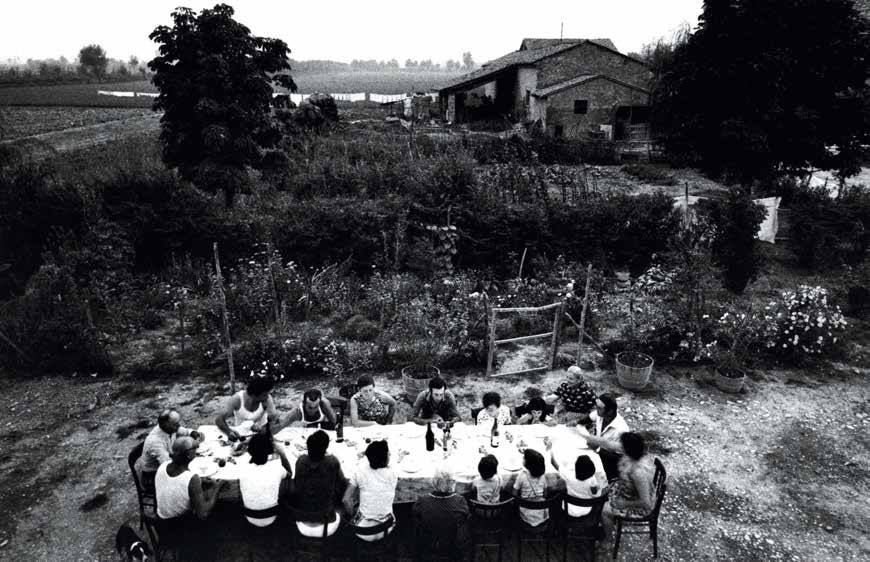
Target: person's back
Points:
(443, 517)
(531, 484)
(319, 483)
(173, 497)
(581, 481)
(260, 480)
(487, 484)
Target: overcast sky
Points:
(343, 30)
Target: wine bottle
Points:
(494, 436)
(445, 437)
(339, 428)
(430, 437)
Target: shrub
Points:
(359, 328)
(312, 352)
(802, 322)
(735, 222)
(826, 232)
(649, 173)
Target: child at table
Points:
(488, 484)
(532, 484)
(536, 412)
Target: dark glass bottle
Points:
(494, 436)
(445, 437)
(430, 437)
(339, 428)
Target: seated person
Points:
(582, 482)
(444, 515)
(370, 406)
(260, 480)
(253, 404)
(376, 483)
(574, 398)
(179, 491)
(158, 444)
(535, 411)
(315, 411)
(533, 484)
(633, 493)
(492, 409)
(436, 405)
(608, 426)
(487, 486)
(319, 485)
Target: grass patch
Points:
(649, 173)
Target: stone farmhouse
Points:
(573, 88)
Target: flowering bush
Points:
(288, 357)
(802, 322)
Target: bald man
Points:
(158, 444)
(180, 491)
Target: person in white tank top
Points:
(179, 491)
(253, 404)
(314, 411)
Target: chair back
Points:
(660, 484)
(491, 511)
(321, 517)
(474, 412)
(145, 486)
(261, 513)
(596, 506)
(553, 504)
(375, 530)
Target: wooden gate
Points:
(558, 308)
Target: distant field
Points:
(85, 95)
(32, 120)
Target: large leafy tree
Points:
(765, 87)
(215, 81)
(93, 60)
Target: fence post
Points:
(491, 353)
(217, 268)
(557, 323)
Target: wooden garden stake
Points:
(522, 262)
(582, 327)
(181, 310)
(220, 281)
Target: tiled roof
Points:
(529, 56)
(532, 43)
(550, 90)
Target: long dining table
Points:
(414, 465)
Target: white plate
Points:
(512, 464)
(204, 467)
(410, 466)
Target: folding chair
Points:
(651, 520)
(546, 532)
(586, 530)
(488, 524)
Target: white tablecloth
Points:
(467, 444)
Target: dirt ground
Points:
(779, 472)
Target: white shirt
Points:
(579, 489)
(243, 414)
(504, 416)
(173, 497)
(259, 484)
(612, 431)
(377, 490)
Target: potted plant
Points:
(633, 367)
(731, 351)
(419, 339)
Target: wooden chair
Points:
(260, 537)
(144, 487)
(489, 521)
(546, 532)
(321, 545)
(385, 548)
(650, 521)
(586, 530)
(429, 546)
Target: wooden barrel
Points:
(630, 376)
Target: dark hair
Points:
(364, 381)
(378, 453)
(534, 462)
(491, 399)
(260, 385)
(437, 382)
(312, 395)
(537, 403)
(317, 443)
(609, 402)
(584, 467)
(487, 467)
(260, 447)
(633, 445)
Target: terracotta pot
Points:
(633, 369)
(413, 383)
(728, 382)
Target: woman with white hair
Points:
(444, 515)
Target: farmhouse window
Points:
(581, 106)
